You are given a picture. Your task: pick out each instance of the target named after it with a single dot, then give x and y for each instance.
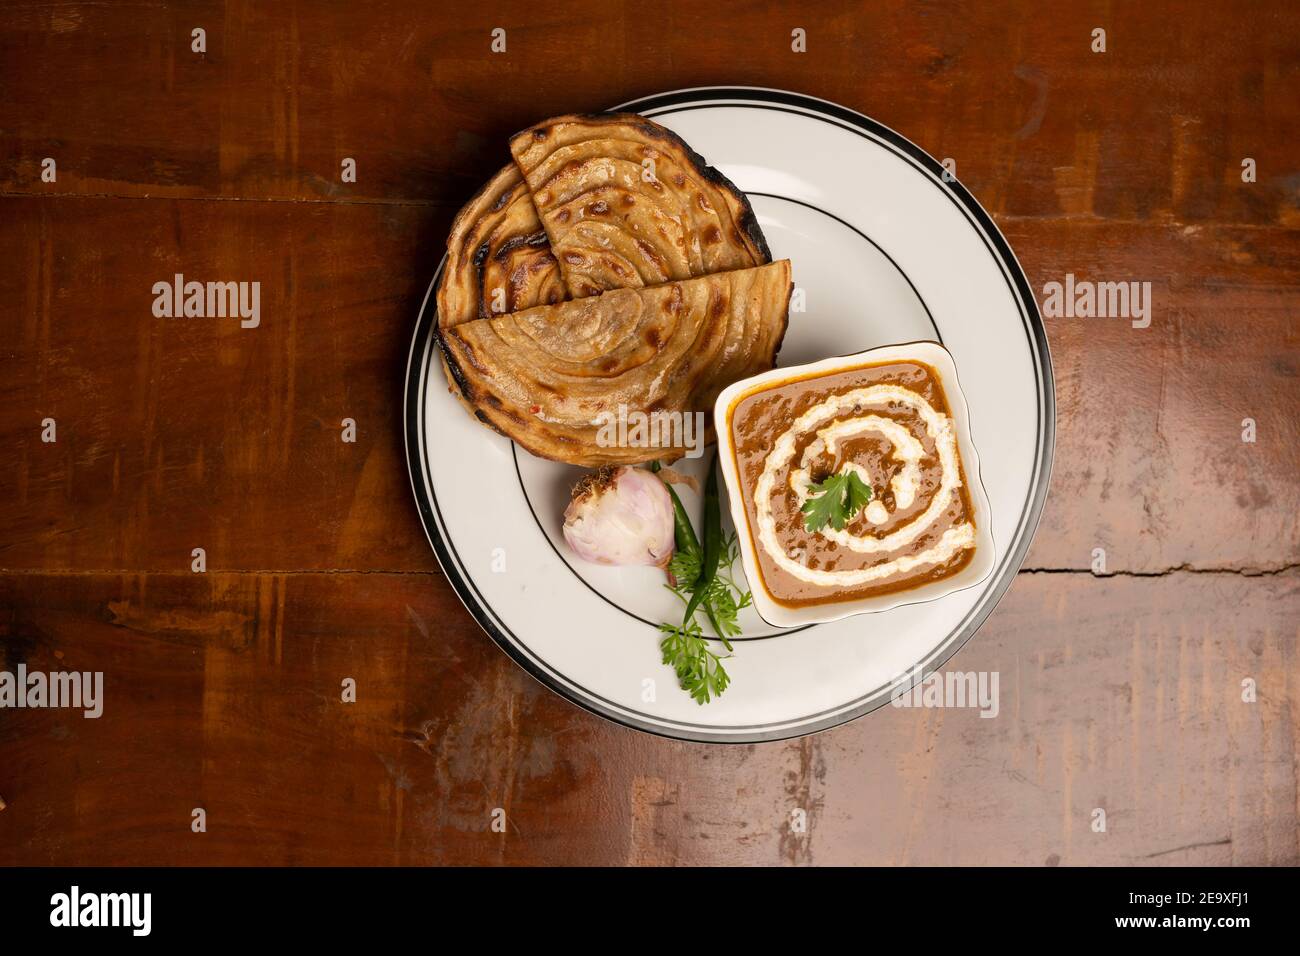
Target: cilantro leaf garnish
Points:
(859, 495)
(836, 501)
(685, 569)
(699, 670)
(701, 576)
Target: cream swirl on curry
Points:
(889, 426)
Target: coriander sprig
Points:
(699, 671)
(701, 575)
(838, 499)
(724, 598)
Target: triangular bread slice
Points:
(498, 257)
(555, 378)
(626, 203)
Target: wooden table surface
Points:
(1120, 691)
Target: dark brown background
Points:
(1120, 692)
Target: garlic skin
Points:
(620, 516)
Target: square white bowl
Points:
(980, 565)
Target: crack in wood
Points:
(1248, 572)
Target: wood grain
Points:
(1155, 128)
(223, 690)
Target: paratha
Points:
(551, 377)
(498, 256)
(626, 203)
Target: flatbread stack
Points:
(609, 271)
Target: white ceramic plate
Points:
(886, 252)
